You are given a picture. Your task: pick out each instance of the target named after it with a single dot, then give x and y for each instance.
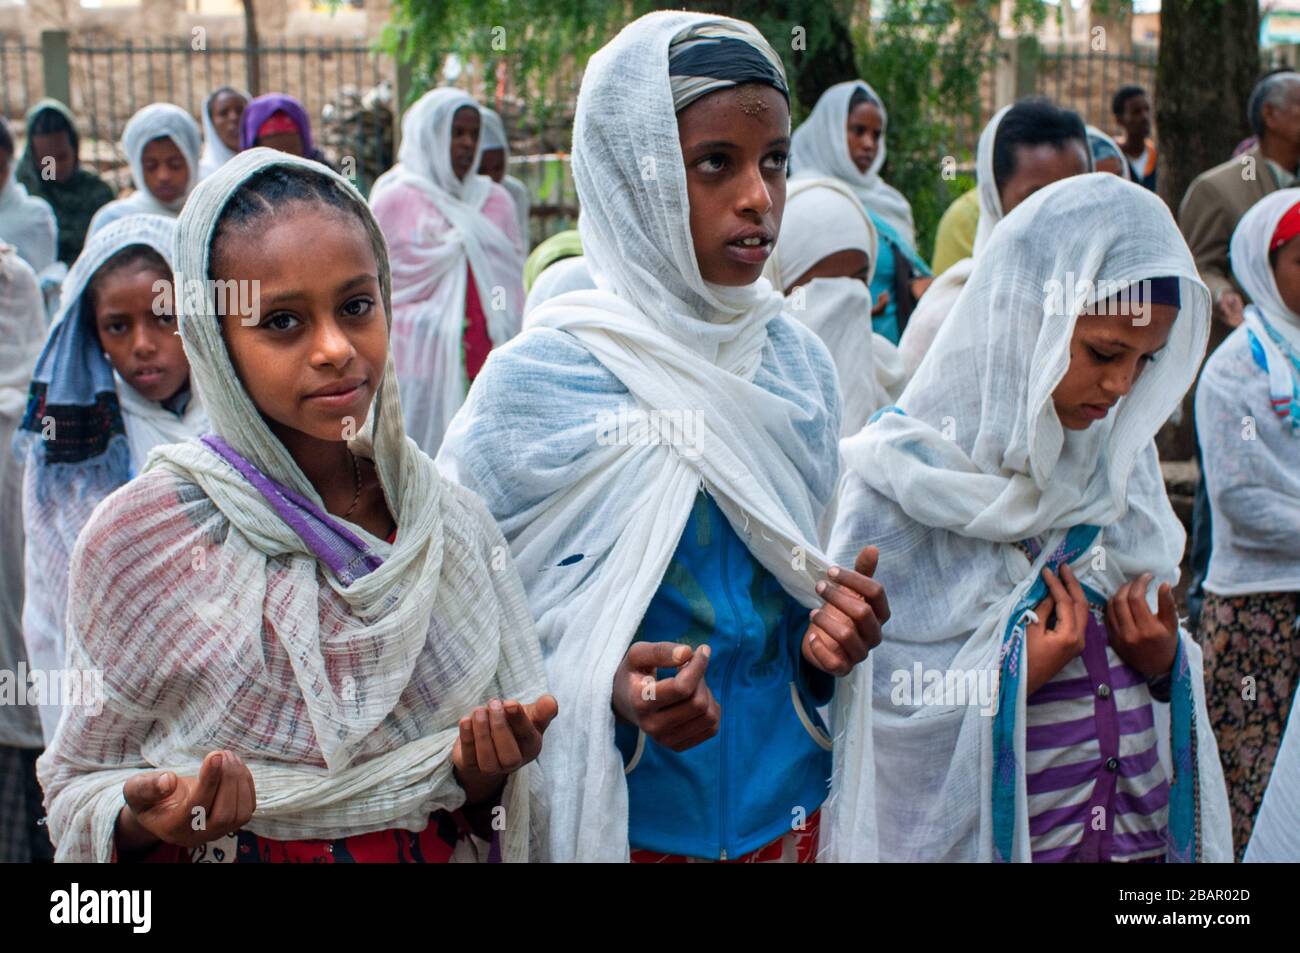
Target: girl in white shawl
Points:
(112, 383)
(494, 163)
(1023, 148)
(844, 138)
(162, 144)
(1029, 704)
(221, 114)
(457, 259)
(1248, 424)
(660, 453)
(306, 638)
(823, 262)
(27, 223)
(22, 329)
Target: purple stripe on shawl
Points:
(328, 540)
(1121, 676)
(262, 108)
(1132, 721)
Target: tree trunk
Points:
(1208, 64)
(252, 65)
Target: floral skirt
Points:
(1252, 667)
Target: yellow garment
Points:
(564, 244)
(956, 235)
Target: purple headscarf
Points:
(263, 107)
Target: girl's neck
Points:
(348, 487)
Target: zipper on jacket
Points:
(724, 747)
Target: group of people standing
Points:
(736, 535)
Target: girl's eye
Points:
(358, 307)
(281, 321)
(116, 327)
(712, 164)
(167, 319)
(777, 160)
(1102, 358)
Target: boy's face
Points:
(1040, 165)
(166, 173)
(313, 357)
(136, 325)
(54, 150)
(735, 143)
(464, 140)
(1136, 118)
(226, 111)
(1286, 271)
(1108, 352)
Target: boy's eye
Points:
(280, 321)
(713, 163)
(167, 319)
(115, 327)
(777, 160)
(358, 307)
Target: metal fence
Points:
(1086, 80)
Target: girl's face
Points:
(54, 149)
(865, 127)
(1107, 354)
(136, 325)
(464, 140)
(735, 143)
(166, 173)
(225, 112)
(290, 142)
(1286, 269)
(313, 358)
(846, 263)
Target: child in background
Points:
(162, 144)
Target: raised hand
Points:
(847, 626)
(1048, 650)
(1145, 641)
(496, 740)
(678, 712)
(187, 811)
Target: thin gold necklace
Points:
(356, 477)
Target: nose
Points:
(333, 348)
(143, 344)
(754, 195)
(1120, 381)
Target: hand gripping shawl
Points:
(976, 461)
(217, 625)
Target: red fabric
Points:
(278, 122)
(1288, 227)
(798, 847)
(477, 343)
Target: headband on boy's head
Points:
(1288, 227)
(278, 122)
(713, 56)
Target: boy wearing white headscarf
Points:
(162, 144)
(1023, 148)
(457, 260)
(660, 453)
(1029, 704)
(1248, 426)
(356, 695)
(823, 262)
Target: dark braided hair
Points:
(143, 255)
(270, 191)
(1035, 121)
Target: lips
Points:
(148, 375)
(1096, 411)
(339, 393)
(752, 246)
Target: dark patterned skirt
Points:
(1252, 667)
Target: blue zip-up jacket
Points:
(768, 766)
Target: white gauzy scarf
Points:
(746, 405)
(822, 217)
(820, 147)
(185, 577)
(429, 275)
(28, 224)
(155, 121)
(22, 329)
(492, 135)
(938, 300)
(979, 461)
(215, 152)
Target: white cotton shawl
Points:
(28, 223)
(492, 135)
(22, 329)
(216, 627)
(215, 152)
(1276, 835)
(593, 520)
(155, 121)
(1251, 456)
(937, 303)
(429, 273)
(567, 274)
(979, 462)
(822, 217)
(820, 148)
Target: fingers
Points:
(693, 732)
(468, 748)
(543, 711)
(671, 691)
(146, 789)
(1126, 627)
(1062, 598)
(484, 749)
(509, 757)
(1166, 609)
(661, 723)
(861, 584)
(848, 620)
(210, 772)
(1076, 593)
(867, 560)
(824, 652)
(1137, 600)
(649, 656)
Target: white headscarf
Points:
(820, 147)
(27, 223)
(22, 329)
(822, 217)
(492, 135)
(1096, 135)
(215, 152)
(429, 267)
(155, 121)
(347, 721)
(979, 461)
(758, 390)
